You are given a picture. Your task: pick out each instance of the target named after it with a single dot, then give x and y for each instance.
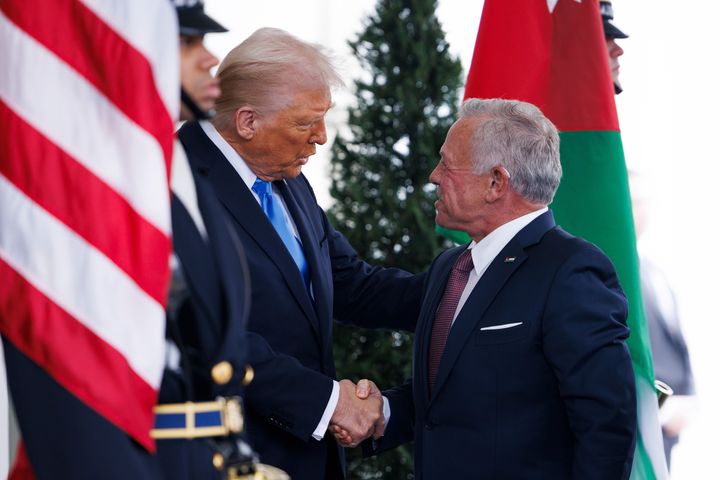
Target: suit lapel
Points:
(245, 210)
(472, 312)
(197, 264)
(497, 274)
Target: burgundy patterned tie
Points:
(446, 310)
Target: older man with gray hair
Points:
(276, 90)
(520, 367)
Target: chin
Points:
(294, 173)
(441, 220)
(445, 222)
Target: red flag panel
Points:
(527, 52)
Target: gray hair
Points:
(266, 69)
(518, 137)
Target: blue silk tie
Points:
(274, 211)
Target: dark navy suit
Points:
(551, 398)
(208, 322)
(290, 339)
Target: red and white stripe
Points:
(88, 94)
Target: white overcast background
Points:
(669, 117)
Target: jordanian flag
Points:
(552, 53)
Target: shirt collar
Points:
(237, 162)
(484, 251)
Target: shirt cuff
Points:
(386, 414)
(386, 411)
(322, 427)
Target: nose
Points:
(319, 134)
(620, 51)
(208, 59)
(435, 175)
(614, 49)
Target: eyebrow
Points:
(310, 119)
(315, 118)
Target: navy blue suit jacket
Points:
(290, 333)
(551, 398)
(209, 323)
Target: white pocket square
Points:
(501, 327)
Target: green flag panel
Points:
(593, 202)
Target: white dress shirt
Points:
(484, 251)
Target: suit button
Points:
(222, 372)
(218, 461)
(431, 423)
(249, 375)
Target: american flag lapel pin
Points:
(509, 259)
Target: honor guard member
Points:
(198, 421)
(612, 32)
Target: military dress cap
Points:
(193, 20)
(606, 11)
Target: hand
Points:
(364, 390)
(355, 418)
(677, 413)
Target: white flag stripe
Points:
(82, 281)
(83, 123)
(151, 27)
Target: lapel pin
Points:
(509, 259)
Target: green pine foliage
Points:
(407, 99)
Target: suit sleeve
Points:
(277, 374)
(400, 429)
(584, 333)
(371, 296)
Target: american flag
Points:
(88, 94)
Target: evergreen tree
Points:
(384, 203)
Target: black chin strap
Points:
(193, 107)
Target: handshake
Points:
(358, 414)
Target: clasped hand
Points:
(358, 414)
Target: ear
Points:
(499, 183)
(246, 122)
